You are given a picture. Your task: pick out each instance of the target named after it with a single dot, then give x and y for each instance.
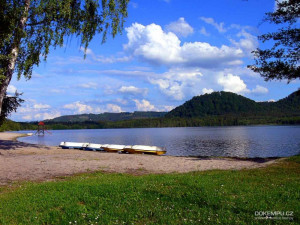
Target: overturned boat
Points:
(73, 145)
(145, 149)
(94, 147)
(132, 149)
(113, 148)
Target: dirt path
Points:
(22, 161)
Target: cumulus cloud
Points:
(178, 83)
(232, 83)
(180, 27)
(11, 89)
(113, 108)
(45, 116)
(32, 110)
(247, 42)
(219, 26)
(207, 91)
(144, 105)
(153, 44)
(133, 90)
(150, 43)
(260, 90)
(78, 107)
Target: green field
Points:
(211, 197)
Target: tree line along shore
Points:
(215, 109)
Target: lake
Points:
(238, 141)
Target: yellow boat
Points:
(145, 149)
(113, 148)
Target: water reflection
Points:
(247, 141)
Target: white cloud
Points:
(180, 27)
(133, 90)
(11, 89)
(111, 59)
(167, 108)
(247, 42)
(89, 85)
(79, 107)
(204, 32)
(32, 110)
(260, 90)
(232, 83)
(219, 26)
(27, 117)
(207, 91)
(150, 43)
(144, 105)
(153, 44)
(46, 116)
(41, 106)
(87, 51)
(113, 108)
(178, 83)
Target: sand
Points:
(21, 161)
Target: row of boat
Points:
(133, 149)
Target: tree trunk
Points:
(14, 55)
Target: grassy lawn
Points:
(213, 197)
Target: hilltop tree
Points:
(283, 59)
(29, 28)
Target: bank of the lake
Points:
(230, 141)
(208, 197)
(21, 161)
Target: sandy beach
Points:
(21, 161)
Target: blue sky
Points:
(169, 51)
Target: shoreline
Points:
(20, 161)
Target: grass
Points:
(213, 197)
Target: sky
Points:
(168, 52)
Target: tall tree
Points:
(29, 28)
(10, 104)
(282, 61)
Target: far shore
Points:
(21, 161)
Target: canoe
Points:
(113, 148)
(73, 145)
(94, 147)
(145, 149)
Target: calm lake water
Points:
(239, 141)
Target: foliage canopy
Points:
(282, 61)
(29, 28)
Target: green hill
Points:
(215, 109)
(227, 103)
(107, 117)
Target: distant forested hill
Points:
(227, 103)
(107, 116)
(215, 109)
